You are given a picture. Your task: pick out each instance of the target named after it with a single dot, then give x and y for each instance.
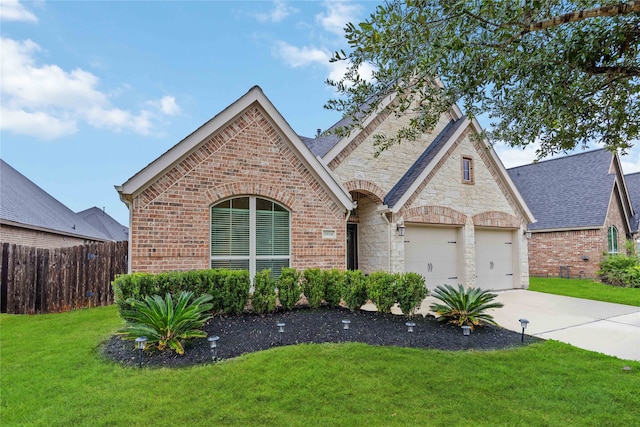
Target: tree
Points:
(561, 73)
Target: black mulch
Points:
(250, 332)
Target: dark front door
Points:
(352, 246)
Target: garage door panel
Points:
(433, 253)
(494, 259)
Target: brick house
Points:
(633, 185)
(29, 216)
(244, 191)
(583, 210)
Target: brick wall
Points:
(38, 239)
(171, 217)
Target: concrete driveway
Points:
(612, 329)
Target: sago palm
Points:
(464, 306)
(165, 323)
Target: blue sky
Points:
(93, 91)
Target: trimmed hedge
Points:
(230, 289)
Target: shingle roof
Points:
(24, 203)
(633, 186)
(104, 223)
(568, 192)
(423, 161)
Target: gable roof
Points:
(633, 186)
(24, 204)
(146, 176)
(103, 222)
(411, 176)
(571, 192)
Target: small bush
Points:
(164, 322)
(289, 287)
(620, 270)
(334, 286)
(313, 286)
(381, 288)
(355, 289)
(235, 291)
(464, 306)
(135, 285)
(264, 293)
(410, 291)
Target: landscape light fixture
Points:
(141, 343)
(345, 324)
(280, 326)
(213, 344)
(410, 326)
(466, 330)
(523, 323)
(401, 228)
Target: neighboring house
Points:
(633, 185)
(583, 210)
(104, 223)
(244, 191)
(29, 216)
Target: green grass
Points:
(51, 375)
(587, 289)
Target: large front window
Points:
(250, 233)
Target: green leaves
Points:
(572, 84)
(165, 322)
(464, 306)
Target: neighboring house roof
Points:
(103, 222)
(633, 186)
(24, 204)
(146, 176)
(571, 192)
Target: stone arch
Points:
(434, 215)
(251, 188)
(496, 219)
(368, 188)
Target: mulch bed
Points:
(250, 332)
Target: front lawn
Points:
(587, 289)
(52, 375)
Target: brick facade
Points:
(38, 239)
(170, 220)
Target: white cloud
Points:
(52, 97)
(631, 161)
(280, 11)
(338, 14)
(12, 10)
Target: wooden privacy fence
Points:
(36, 280)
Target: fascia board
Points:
(414, 186)
(344, 142)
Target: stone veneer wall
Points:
(171, 218)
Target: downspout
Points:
(128, 204)
(384, 210)
(346, 220)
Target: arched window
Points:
(250, 233)
(613, 240)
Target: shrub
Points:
(381, 290)
(165, 323)
(355, 289)
(235, 291)
(334, 286)
(135, 285)
(313, 286)
(620, 270)
(464, 306)
(289, 287)
(264, 293)
(410, 291)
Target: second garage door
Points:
(494, 259)
(432, 252)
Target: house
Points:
(29, 216)
(633, 185)
(583, 210)
(107, 225)
(245, 191)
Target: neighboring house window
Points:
(467, 170)
(250, 233)
(613, 240)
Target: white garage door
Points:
(494, 259)
(432, 252)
